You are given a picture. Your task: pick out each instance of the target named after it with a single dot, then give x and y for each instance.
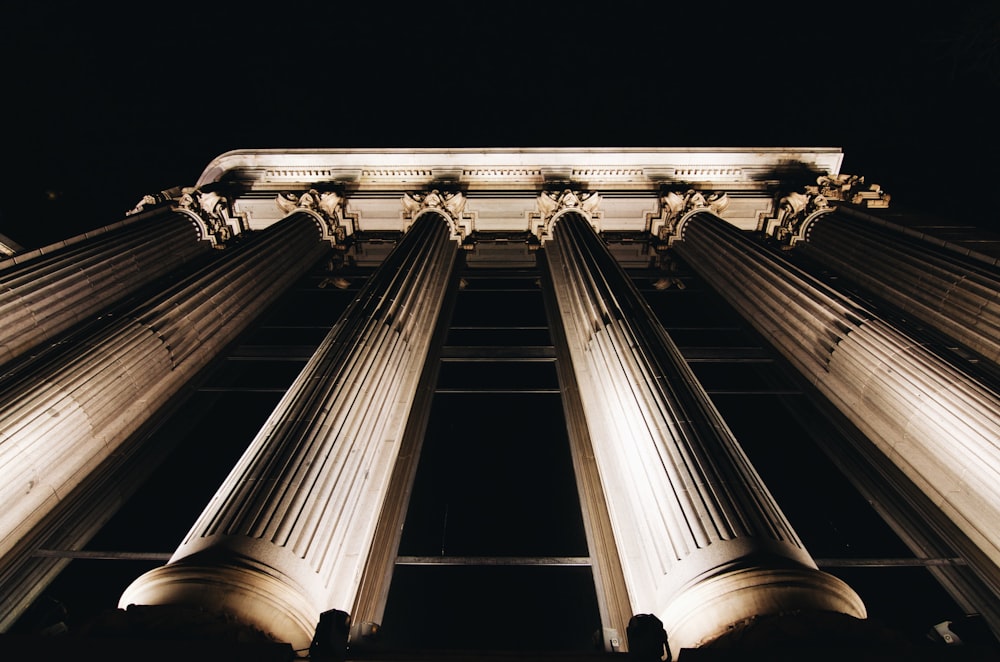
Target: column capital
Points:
(553, 203)
(326, 206)
(448, 202)
(798, 209)
(674, 206)
(210, 207)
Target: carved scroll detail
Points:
(328, 206)
(674, 206)
(553, 203)
(451, 205)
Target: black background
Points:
(105, 103)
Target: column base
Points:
(252, 594)
(713, 606)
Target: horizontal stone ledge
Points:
(495, 560)
(102, 556)
(887, 563)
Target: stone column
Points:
(937, 424)
(64, 420)
(46, 291)
(702, 543)
(287, 535)
(955, 292)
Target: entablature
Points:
(501, 187)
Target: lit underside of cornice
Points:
(501, 185)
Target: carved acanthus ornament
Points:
(326, 206)
(450, 204)
(553, 203)
(793, 211)
(675, 206)
(796, 210)
(208, 210)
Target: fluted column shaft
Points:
(66, 417)
(45, 292)
(953, 293)
(287, 535)
(938, 425)
(702, 543)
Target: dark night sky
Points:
(104, 105)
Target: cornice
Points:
(523, 168)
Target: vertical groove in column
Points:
(77, 518)
(45, 295)
(938, 425)
(62, 421)
(288, 533)
(609, 580)
(701, 540)
(376, 579)
(958, 296)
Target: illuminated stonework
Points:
(703, 545)
(74, 418)
(46, 291)
(448, 204)
(940, 426)
(679, 522)
(955, 294)
(287, 536)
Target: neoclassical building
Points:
(354, 401)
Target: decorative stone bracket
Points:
(675, 206)
(450, 204)
(553, 203)
(797, 210)
(326, 206)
